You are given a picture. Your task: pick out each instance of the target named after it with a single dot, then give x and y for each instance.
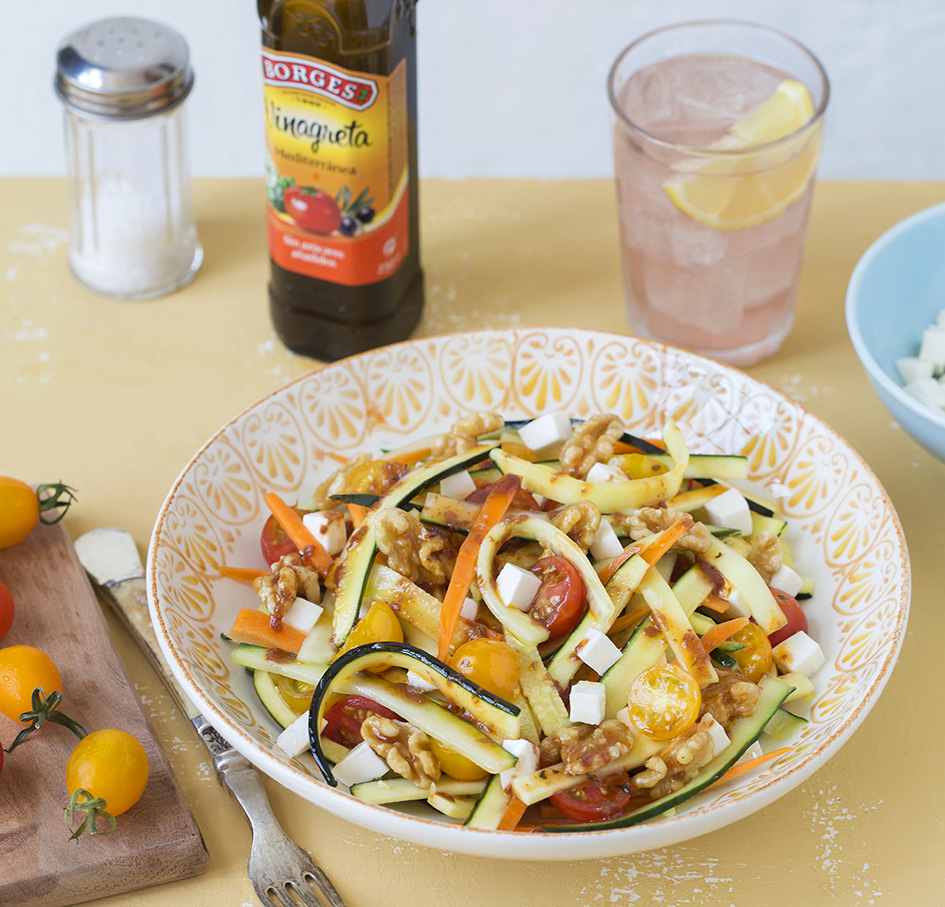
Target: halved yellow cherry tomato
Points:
(454, 764)
(296, 694)
(664, 701)
(379, 624)
(492, 664)
(754, 657)
(110, 764)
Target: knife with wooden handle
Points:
(110, 558)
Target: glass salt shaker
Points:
(123, 82)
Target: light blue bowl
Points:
(896, 292)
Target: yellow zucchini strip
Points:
(667, 614)
(610, 497)
(539, 690)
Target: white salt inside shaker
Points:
(123, 82)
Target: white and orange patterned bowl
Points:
(842, 529)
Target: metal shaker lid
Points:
(122, 69)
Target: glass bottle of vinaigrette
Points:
(340, 94)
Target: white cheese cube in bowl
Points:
(527, 754)
(911, 368)
(588, 702)
(328, 527)
(460, 485)
(303, 615)
(361, 764)
(787, 580)
(720, 739)
(604, 472)
(730, 509)
(606, 543)
(294, 741)
(799, 653)
(470, 609)
(517, 587)
(932, 348)
(927, 391)
(551, 428)
(597, 651)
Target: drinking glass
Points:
(717, 134)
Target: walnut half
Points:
(404, 748)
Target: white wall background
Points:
(509, 87)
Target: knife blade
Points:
(110, 558)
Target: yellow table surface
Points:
(115, 397)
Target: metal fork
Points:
(277, 865)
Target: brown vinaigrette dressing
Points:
(379, 299)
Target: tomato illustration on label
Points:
(312, 210)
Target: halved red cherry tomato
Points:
(274, 542)
(344, 719)
(664, 701)
(6, 610)
(754, 657)
(312, 209)
(523, 499)
(594, 800)
(562, 599)
(796, 618)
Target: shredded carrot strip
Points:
(650, 553)
(713, 602)
(737, 770)
(243, 574)
(716, 635)
(336, 457)
(512, 816)
(492, 510)
(255, 627)
(629, 619)
(605, 573)
(358, 514)
(295, 529)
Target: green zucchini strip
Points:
(488, 710)
(609, 497)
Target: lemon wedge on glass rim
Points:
(733, 193)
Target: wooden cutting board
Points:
(157, 840)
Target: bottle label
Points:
(337, 168)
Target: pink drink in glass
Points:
(728, 293)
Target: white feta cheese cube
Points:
(911, 368)
(932, 348)
(787, 580)
(517, 587)
(606, 543)
(551, 428)
(588, 702)
(303, 615)
(737, 606)
(927, 391)
(460, 486)
(527, 754)
(293, 741)
(604, 472)
(799, 653)
(420, 683)
(361, 764)
(729, 509)
(624, 716)
(720, 740)
(470, 609)
(597, 651)
(328, 527)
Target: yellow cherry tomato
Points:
(454, 764)
(754, 657)
(492, 664)
(110, 764)
(296, 694)
(22, 670)
(664, 701)
(19, 511)
(379, 624)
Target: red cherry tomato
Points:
(523, 499)
(312, 210)
(6, 610)
(796, 618)
(562, 599)
(595, 799)
(344, 719)
(274, 542)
